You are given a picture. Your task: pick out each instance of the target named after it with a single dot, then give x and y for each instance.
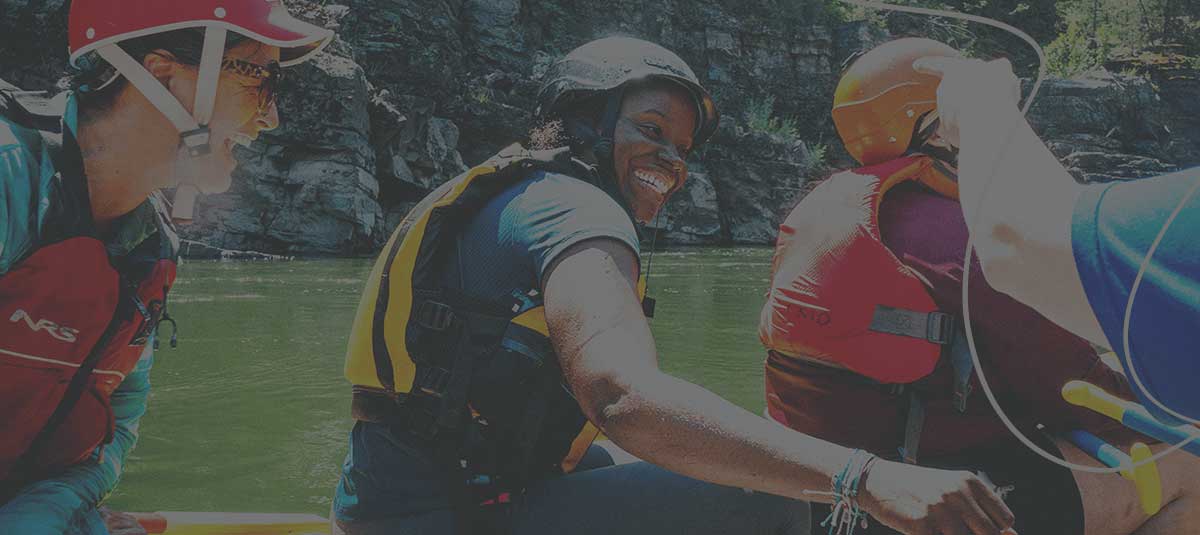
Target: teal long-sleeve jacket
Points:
(66, 503)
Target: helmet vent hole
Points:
(219, 12)
(91, 33)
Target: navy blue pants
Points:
(600, 497)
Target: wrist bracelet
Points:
(846, 514)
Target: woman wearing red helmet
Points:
(87, 250)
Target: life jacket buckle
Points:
(940, 328)
(435, 316)
(432, 380)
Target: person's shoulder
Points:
(549, 196)
(1136, 209)
(20, 162)
(567, 189)
(12, 138)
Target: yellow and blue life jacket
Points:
(478, 377)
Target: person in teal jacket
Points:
(162, 94)
(65, 503)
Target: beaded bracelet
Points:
(846, 515)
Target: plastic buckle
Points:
(939, 328)
(435, 316)
(432, 380)
(197, 141)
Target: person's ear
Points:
(161, 65)
(582, 129)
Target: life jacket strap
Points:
(914, 425)
(959, 355)
(936, 327)
(960, 359)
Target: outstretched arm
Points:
(608, 356)
(1017, 198)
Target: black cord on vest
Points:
(647, 301)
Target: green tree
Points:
(1038, 18)
(1097, 30)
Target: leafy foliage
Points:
(1079, 35)
(760, 117)
(1096, 30)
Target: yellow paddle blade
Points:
(191, 523)
(1147, 480)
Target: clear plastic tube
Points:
(971, 247)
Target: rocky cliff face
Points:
(414, 91)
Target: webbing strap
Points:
(210, 73)
(936, 327)
(964, 366)
(530, 430)
(914, 424)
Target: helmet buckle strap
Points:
(604, 149)
(196, 142)
(209, 74)
(150, 87)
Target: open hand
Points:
(119, 523)
(971, 90)
(925, 501)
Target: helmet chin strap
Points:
(194, 135)
(604, 147)
(604, 150)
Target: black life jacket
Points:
(478, 378)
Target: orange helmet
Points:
(881, 99)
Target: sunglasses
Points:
(269, 77)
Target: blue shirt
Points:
(518, 234)
(507, 246)
(1112, 230)
(65, 504)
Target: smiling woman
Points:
(501, 330)
(654, 133)
(653, 139)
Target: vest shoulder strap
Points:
(168, 234)
(34, 110)
(37, 121)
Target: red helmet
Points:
(98, 26)
(96, 23)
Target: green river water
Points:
(251, 413)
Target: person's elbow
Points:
(602, 396)
(999, 250)
(612, 401)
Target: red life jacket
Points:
(839, 296)
(74, 321)
(856, 374)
